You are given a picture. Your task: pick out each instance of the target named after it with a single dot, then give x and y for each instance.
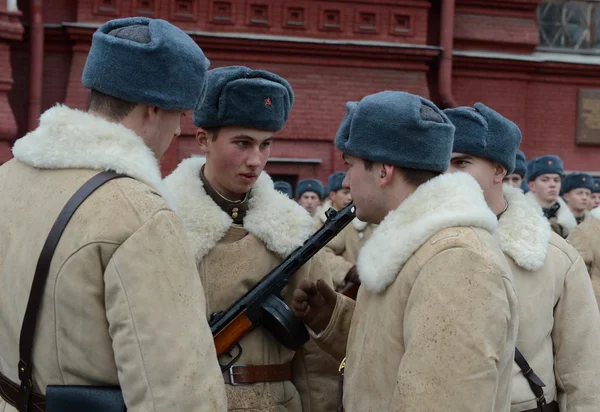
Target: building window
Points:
(570, 25)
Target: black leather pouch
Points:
(84, 399)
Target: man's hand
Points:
(314, 303)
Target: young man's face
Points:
(579, 199)
(481, 169)
(235, 158)
(364, 188)
(595, 201)
(310, 201)
(546, 188)
(340, 198)
(513, 179)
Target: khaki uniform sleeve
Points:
(338, 266)
(576, 335)
(334, 338)
(456, 329)
(581, 242)
(155, 307)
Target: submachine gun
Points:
(263, 306)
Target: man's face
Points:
(235, 158)
(595, 201)
(546, 188)
(364, 189)
(310, 201)
(481, 169)
(513, 179)
(579, 199)
(341, 198)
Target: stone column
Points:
(10, 30)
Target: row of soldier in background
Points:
(565, 199)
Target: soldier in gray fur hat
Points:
(434, 325)
(556, 362)
(124, 305)
(240, 228)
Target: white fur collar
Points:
(446, 201)
(523, 231)
(565, 217)
(272, 217)
(595, 213)
(359, 225)
(69, 139)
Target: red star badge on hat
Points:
(549, 162)
(268, 102)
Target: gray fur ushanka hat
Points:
(577, 181)
(240, 96)
(520, 164)
(543, 165)
(309, 185)
(483, 132)
(397, 128)
(147, 61)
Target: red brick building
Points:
(525, 58)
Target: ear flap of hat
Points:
(471, 135)
(503, 137)
(343, 133)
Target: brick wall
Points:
(545, 109)
(542, 102)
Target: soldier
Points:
(435, 322)
(586, 239)
(595, 201)
(240, 227)
(517, 177)
(559, 326)
(309, 193)
(544, 175)
(123, 299)
(343, 249)
(285, 188)
(577, 192)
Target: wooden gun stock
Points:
(232, 333)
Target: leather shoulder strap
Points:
(534, 381)
(39, 282)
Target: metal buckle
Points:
(232, 376)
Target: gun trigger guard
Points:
(234, 360)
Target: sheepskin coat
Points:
(435, 321)
(123, 304)
(232, 258)
(559, 326)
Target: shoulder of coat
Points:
(453, 237)
(144, 201)
(562, 248)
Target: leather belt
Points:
(9, 391)
(245, 374)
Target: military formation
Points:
(467, 280)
